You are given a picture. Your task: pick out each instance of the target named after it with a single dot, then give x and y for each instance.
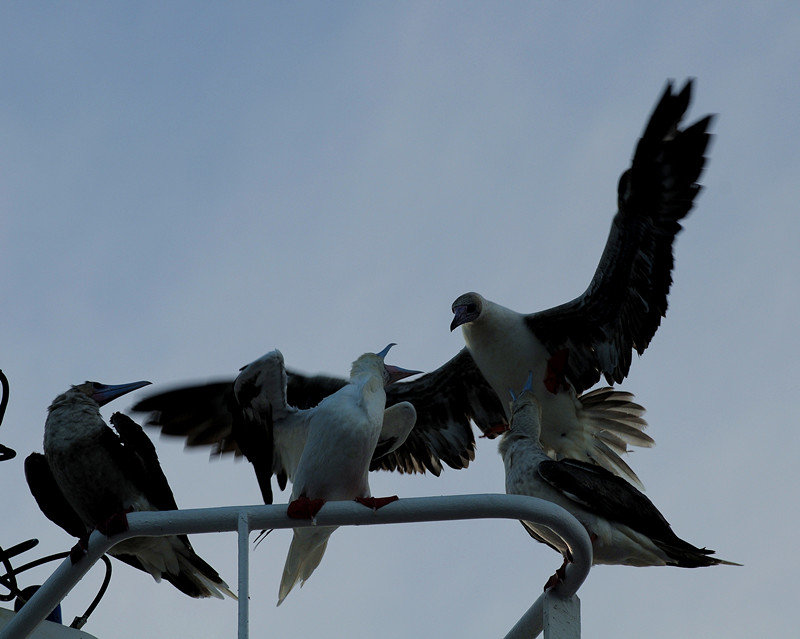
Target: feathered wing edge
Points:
(196, 577)
(613, 420)
(48, 496)
(622, 307)
(446, 401)
(611, 497)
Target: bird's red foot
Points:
(554, 378)
(304, 508)
(496, 430)
(376, 502)
(115, 524)
(557, 577)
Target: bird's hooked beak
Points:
(460, 316)
(466, 309)
(395, 372)
(104, 393)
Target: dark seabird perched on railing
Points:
(623, 524)
(90, 477)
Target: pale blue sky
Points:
(186, 186)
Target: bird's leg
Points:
(376, 502)
(304, 508)
(117, 523)
(554, 379)
(79, 550)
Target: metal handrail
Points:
(245, 519)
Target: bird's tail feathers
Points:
(614, 421)
(174, 559)
(205, 579)
(305, 554)
(686, 555)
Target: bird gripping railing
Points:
(556, 611)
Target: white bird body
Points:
(502, 345)
(346, 425)
(506, 350)
(342, 434)
(99, 475)
(341, 437)
(624, 526)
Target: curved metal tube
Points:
(341, 513)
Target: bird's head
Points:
(390, 373)
(104, 393)
(467, 308)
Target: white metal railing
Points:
(557, 611)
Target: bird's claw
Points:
(376, 502)
(304, 508)
(117, 523)
(558, 576)
(79, 550)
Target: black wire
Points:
(4, 401)
(6, 453)
(78, 622)
(9, 579)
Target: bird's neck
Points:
(72, 423)
(520, 436)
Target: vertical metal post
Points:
(243, 528)
(561, 616)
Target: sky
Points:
(186, 186)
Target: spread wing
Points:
(446, 400)
(622, 308)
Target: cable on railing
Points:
(9, 579)
(21, 596)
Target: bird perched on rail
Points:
(90, 477)
(341, 435)
(623, 524)
(324, 450)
